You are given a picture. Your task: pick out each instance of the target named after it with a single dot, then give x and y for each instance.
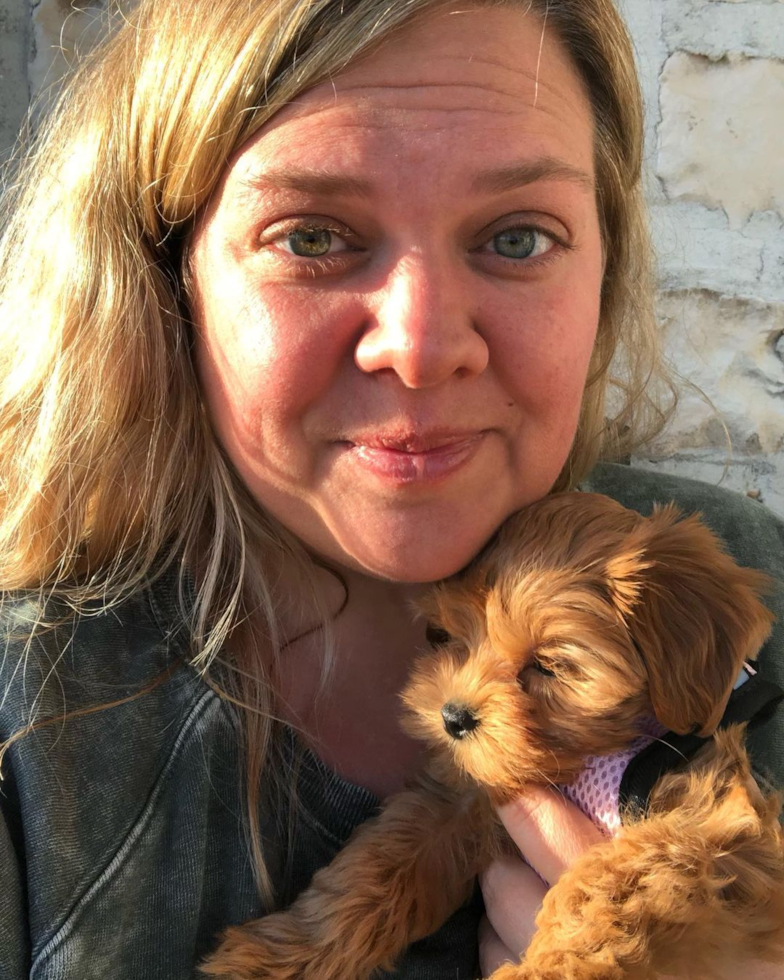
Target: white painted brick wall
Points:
(713, 78)
(14, 48)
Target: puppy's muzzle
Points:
(458, 720)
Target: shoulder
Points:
(753, 535)
(68, 679)
(58, 662)
(96, 711)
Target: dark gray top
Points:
(121, 838)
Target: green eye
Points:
(516, 243)
(310, 243)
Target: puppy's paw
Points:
(271, 948)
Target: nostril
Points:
(458, 720)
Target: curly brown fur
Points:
(401, 876)
(695, 885)
(579, 620)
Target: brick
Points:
(716, 29)
(14, 44)
(728, 348)
(721, 135)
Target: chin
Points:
(423, 560)
(412, 545)
(409, 573)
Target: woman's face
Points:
(397, 292)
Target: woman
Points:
(301, 301)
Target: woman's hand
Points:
(551, 832)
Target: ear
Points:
(694, 615)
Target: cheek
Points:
(544, 353)
(261, 370)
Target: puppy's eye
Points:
(436, 637)
(534, 668)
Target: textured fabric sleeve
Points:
(15, 944)
(14, 929)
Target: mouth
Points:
(414, 457)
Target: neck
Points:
(352, 719)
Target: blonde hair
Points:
(109, 471)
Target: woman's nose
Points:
(421, 328)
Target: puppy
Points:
(580, 626)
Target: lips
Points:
(414, 457)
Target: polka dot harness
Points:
(596, 788)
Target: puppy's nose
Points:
(458, 720)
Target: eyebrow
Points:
(316, 182)
(521, 174)
(325, 184)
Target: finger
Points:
(513, 894)
(549, 830)
(492, 952)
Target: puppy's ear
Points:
(694, 615)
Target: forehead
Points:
(470, 89)
(501, 56)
